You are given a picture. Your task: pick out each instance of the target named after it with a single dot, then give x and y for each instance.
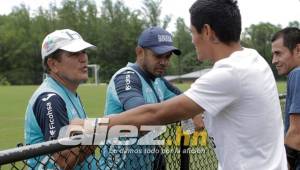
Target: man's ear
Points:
(52, 63)
(210, 33)
(206, 31)
(139, 51)
(297, 51)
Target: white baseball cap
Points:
(65, 39)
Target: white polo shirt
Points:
(240, 99)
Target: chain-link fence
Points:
(180, 151)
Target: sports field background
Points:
(14, 99)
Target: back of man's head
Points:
(223, 16)
(290, 36)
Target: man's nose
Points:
(164, 61)
(83, 57)
(274, 60)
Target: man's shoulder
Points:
(46, 98)
(126, 80)
(126, 75)
(294, 76)
(126, 72)
(123, 70)
(295, 71)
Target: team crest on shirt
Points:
(48, 97)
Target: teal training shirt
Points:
(50, 107)
(135, 84)
(163, 89)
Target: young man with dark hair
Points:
(239, 95)
(286, 58)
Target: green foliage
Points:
(281, 86)
(187, 61)
(117, 37)
(20, 55)
(152, 12)
(294, 24)
(3, 81)
(112, 27)
(114, 30)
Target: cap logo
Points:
(49, 45)
(73, 35)
(164, 38)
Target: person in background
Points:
(286, 58)
(142, 83)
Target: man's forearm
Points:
(292, 147)
(292, 138)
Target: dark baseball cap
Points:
(157, 40)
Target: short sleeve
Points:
(51, 114)
(129, 89)
(215, 90)
(294, 92)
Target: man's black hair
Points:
(290, 35)
(55, 55)
(223, 16)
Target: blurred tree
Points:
(187, 61)
(18, 62)
(117, 38)
(113, 28)
(294, 24)
(152, 13)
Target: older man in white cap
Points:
(56, 101)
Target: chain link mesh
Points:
(180, 151)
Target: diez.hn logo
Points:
(97, 132)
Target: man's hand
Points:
(198, 122)
(69, 158)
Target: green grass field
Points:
(14, 99)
